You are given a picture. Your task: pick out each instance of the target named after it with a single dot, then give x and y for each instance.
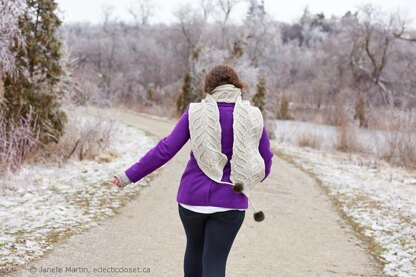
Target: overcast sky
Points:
(287, 11)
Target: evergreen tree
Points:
(150, 93)
(238, 50)
(192, 82)
(185, 97)
(283, 112)
(36, 84)
(259, 98)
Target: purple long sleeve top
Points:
(195, 187)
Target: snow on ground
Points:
(56, 202)
(290, 131)
(380, 200)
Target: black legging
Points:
(209, 240)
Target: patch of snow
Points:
(381, 199)
(49, 202)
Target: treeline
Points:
(339, 70)
(362, 60)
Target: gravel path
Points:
(302, 234)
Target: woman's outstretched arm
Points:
(160, 154)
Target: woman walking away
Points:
(230, 154)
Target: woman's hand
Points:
(116, 181)
(120, 180)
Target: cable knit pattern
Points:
(225, 93)
(206, 141)
(247, 164)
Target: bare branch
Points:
(227, 7)
(207, 7)
(406, 37)
(142, 11)
(402, 34)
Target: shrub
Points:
(259, 98)
(360, 112)
(17, 141)
(399, 145)
(283, 112)
(85, 137)
(310, 139)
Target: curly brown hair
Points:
(221, 75)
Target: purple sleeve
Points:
(165, 150)
(266, 152)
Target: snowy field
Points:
(51, 203)
(378, 198)
(370, 141)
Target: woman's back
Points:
(198, 189)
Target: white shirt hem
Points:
(207, 209)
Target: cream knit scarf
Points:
(247, 164)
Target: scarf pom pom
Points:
(238, 187)
(259, 216)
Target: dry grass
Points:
(84, 138)
(17, 142)
(399, 144)
(401, 148)
(346, 132)
(310, 139)
(392, 131)
(346, 139)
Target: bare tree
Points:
(361, 52)
(259, 31)
(373, 40)
(142, 11)
(107, 48)
(107, 13)
(191, 25)
(226, 6)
